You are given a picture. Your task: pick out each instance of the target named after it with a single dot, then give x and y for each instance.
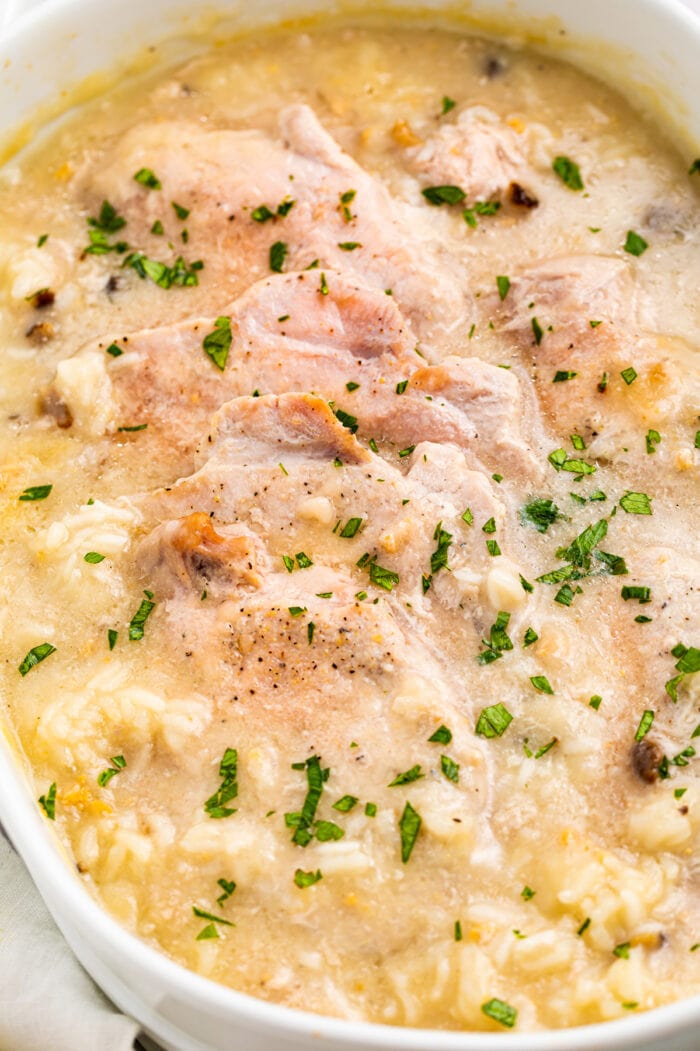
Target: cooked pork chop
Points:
(319, 205)
(341, 340)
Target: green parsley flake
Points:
(306, 879)
(180, 274)
(36, 655)
(93, 558)
(500, 1012)
(503, 285)
(629, 375)
(644, 725)
(563, 376)
(371, 809)
(541, 684)
(540, 513)
(493, 721)
(537, 331)
(449, 768)
(642, 594)
(114, 351)
(138, 621)
(530, 637)
(635, 244)
(595, 701)
(278, 254)
(468, 517)
(622, 951)
(351, 528)
(458, 931)
(527, 893)
(147, 178)
(636, 503)
(349, 246)
(438, 559)
(438, 195)
(568, 171)
(409, 827)
(207, 933)
(408, 777)
(441, 736)
(345, 804)
(112, 636)
(35, 492)
(48, 802)
(447, 104)
(118, 763)
(218, 343)
(652, 439)
(215, 806)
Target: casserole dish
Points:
(181, 1010)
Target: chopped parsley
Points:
(41, 241)
(492, 547)
(346, 419)
(401, 387)
(157, 227)
(138, 621)
(438, 559)
(541, 684)
(642, 594)
(134, 428)
(306, 879)
(622, 951)
(323, 285)
(303, 821)
(350, 528)
(371, 809)
(36, 655)
(218, 343)
(595, 702)
(503, 284)
(261, 214)
(349, 246)
(346, 200)
(561, 461)
(114, 351)
(540, 513)
(118, 763)
(652, 439)
(408, 777)
(444, 194)
(112, 636)
(441, 736)
(569, 172)
(278, 254)
(449, 768)
(636, 503)
(493, 721)
(529, 637)
(310, 629)
(629, 375)
(537, 330)
(467, 517)
(148, 178)
(403, 453)
(527, 893)
(180, 211)
(584, 926)
(345, 804)
(447, 104)
(180, 274)
(35, 492)
(227, 887)
(500, 1012)
(215, 806)
(644, 725)
(409, 827)
(48, 802)
(351, 386)
(635, 244)
(458, 931)
(563, 375)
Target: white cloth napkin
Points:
(46, 998)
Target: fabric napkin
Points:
(46, 998)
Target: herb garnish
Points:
(449, 768)
(503, 283)
(218, 343)
(138, 621)
(118, 763)
(215, 806)
(441, 736)
(35, 492)
(540, 513)
(36, 655)
(408, 777)
(636, 503)
(493, 721)
(635, 244)
(499, 640)
(568, 171)
(644, 725)
(48, 802)
(147, 178)
(409, 827)
(438, 195)
(501, 1012)
(303, 821)
(307, 879)
(180, 274)
(278, 254)
(541, 684)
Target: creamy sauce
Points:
(519, 364)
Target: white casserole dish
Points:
(651, 48)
